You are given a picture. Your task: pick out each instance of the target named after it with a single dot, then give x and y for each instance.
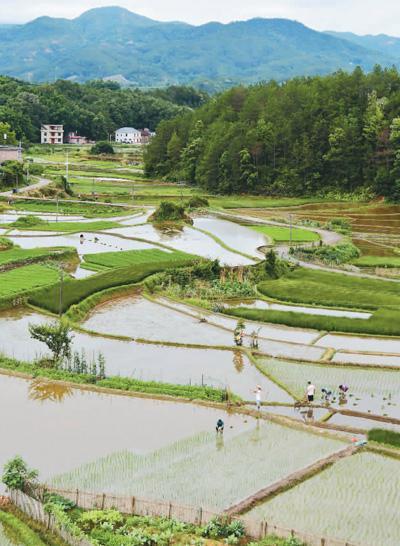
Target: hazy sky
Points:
(360, 16)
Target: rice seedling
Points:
(230, 468)
(376, 391)
(355, 500)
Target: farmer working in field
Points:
(310, 392)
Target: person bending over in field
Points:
(220, 426)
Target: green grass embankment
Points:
(383, 436)
(23, 280)
(282, 234)
(75, 291)
(117, 383)
(18, 256)
(320, 288)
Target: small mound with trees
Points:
(102, 148)
(170, 212)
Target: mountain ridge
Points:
(147, 53)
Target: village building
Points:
(130, 135)
(52, 134)
(10, 153)
(74, 138)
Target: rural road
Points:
(37, 185)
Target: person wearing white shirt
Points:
(310, 392)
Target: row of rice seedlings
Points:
(244, 465)
(373, 390)
(103, 474)
(213, 474)
(357, 500)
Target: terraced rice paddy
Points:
(356, 500)
(231, 469)
(187, 240)
(23, 279)
(220, 369)
(58, 429)
(375, 391)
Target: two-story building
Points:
(128, 135)
(52, 134)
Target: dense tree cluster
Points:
(338, 133)
(94, 109)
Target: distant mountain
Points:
(388, 45)
(114, 42)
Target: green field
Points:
(378, 261)
(74, 291)
(332, 289)
(69, 226)
(282, 234)
(254, 202)
(17, 255)
(74, 208)
(136, 257)
(24, 279)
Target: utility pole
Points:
(291, 230)
(133, 191)
(67, 167)
(61, 291)
(57, 209)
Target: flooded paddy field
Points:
(232, 467)
(234, 235)
(361, 343)
(367, 359)
(183, 366)
(90, 243)
(375, 391)
(361, 423)
(185, 239)
(355, 500)
(57, 428)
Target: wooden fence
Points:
(255, 528)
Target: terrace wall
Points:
(256, 529)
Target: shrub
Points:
(223, 527)
(340, 225)
(5, 243)
(168, 211)
(56, 336)
(17, 475)
(89, 520)
(197, 202)
(384, 436)
(338, 254)
(102, 147)
(28, 222)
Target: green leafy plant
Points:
(56, 336)
(17, 475)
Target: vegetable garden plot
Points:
(213, 472)
(357, 499)
(375, 391)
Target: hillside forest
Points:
(323, 135)
(94, 109)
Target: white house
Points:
(52, 134)
(128, 135)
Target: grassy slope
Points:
(378, 261)
(282, 234)
(70, 226)
(80, 209)
(137, 257)
(18, 531)
(75, 291)
(16, 255)
(24, 279)
(334, 290)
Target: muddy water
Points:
(307, 415)
(261, 304)
(360, 344)
(137, 317)
(377, 360)
(58, 436)
(359, 422)
(105, 242)
(186, 240)
(270, 331)
(220, 369)
(234, 235)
